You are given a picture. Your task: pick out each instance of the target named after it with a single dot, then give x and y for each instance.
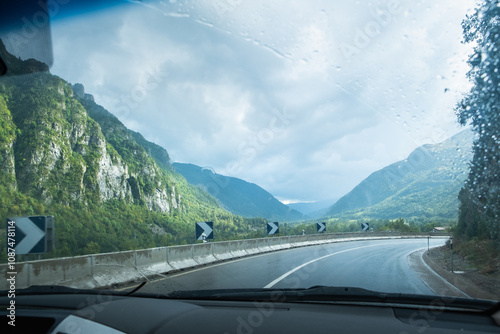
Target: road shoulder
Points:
(444, 282)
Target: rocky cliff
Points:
(57, 151)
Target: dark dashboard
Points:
(103, 312)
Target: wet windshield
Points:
(252, 144)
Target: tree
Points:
(479, 214)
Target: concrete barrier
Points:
(202, 253)
(222, 250)
(263, 245)
(251, 246)
(105, 266)
(274, 243)
(71, 271)
(237, 248)
(285, 242)
(313, 239)
(298, 240)
(152, 261)
(181, 257)
(324, 238)
(22, 276)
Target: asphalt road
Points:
(379, 265)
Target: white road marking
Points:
(270, 285)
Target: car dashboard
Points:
(108, 313)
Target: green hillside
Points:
(236, 195)
(109, 189)
(425, 185)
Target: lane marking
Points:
(247, 257)
(451, 286)
(250, 256)
(270, 285)
(187, 271)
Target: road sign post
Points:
(204, 231)
(451, 250)
(321, 227)
(273, 228)
(31, 235)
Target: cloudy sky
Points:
(304, 98)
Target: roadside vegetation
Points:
(477, 233)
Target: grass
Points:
(482, 254)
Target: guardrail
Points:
(100, 270)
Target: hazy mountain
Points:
(11, 65)
(237, 196)
(426, 184)
(313, 209)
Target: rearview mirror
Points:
(25, 40)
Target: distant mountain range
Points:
(426, 184)
(237, 196)
(314, 209)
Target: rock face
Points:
(133, 174)
(53, 148)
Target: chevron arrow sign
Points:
(273, 228)
(32, 235)
(204, 230)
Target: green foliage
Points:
(480, 198)
(424, 186)
(59, 145)
(481, 253)
(339, 225)
(399, 225)
(7, 127)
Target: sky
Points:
(303, 98)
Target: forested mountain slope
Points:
(109, 189)
(238, 196)
(426, 184)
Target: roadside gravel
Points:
(465, 276)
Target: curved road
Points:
(379, 265)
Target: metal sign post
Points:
(451, 249)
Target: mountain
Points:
(313, 209)
(11, 65)
(236, 195)
(426, 184)
(108, 188)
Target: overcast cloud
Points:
(303, 98)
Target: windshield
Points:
(230, 144)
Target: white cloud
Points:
(267, 92)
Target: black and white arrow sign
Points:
(31, 234)
(204, 230)
(365, 226)
(321, 227)
(273, 228)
